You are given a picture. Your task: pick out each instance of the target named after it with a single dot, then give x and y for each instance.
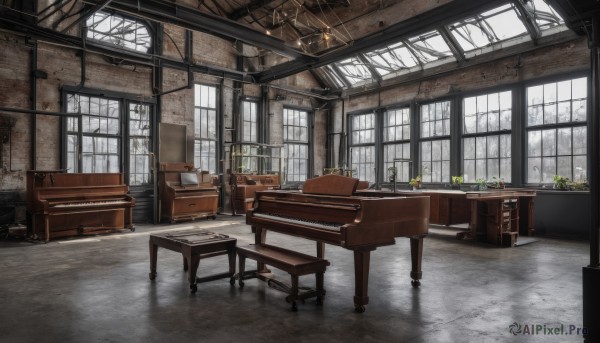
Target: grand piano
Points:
(61, 204)
(327, 212)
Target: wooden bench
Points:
(292, 262)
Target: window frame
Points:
(150, 28)
(404, 170)
(124, 100)
(360, 145)
(500, 132)
(198, 140)
(256, 124)
(309, 147)
(421, 140)
(553, 126)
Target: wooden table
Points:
(194, 245)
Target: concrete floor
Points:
(97, 290)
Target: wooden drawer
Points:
(195, 204)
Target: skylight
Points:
(119, 31)
(392, 58)
(545, 16)
(429, 47)
(354, 70)
(490, 27)
(475, 35)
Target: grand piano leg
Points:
(361, 279)
(416, 256)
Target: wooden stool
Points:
(194, 245)
(292, 262)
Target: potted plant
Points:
(481, 184)
(457, 181)
(415, 182)
(561, 183)
(579, 185)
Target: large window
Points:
(107, 127)
(295, 138)
(205, 128)
(435, 141)
(487, 121)
(556, 131)
(249, 121)
(139, 144)
(396, 145)
(119, 31)
(94, 139)
(363, 146)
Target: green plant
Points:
(481, 184)
(496, 183)
(457, 180)
(561, 182)
(578, 185)
(415, 182)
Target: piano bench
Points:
(194, 245)
(292, 262)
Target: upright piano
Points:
(61, 204)
(327, 212)
(187, 193)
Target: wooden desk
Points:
(481, 209)
(194, 245)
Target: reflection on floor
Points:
(97, 290)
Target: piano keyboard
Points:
(92, 203)
(312, 223)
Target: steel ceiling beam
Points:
(192, 19)
(444, 15)
(246, 10)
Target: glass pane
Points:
(564, 167)
(534, 144)
(564, 112)
(549, 142)
(535, 115)
(548, 169)
(550, 114)
(534, 171)
(580, 110)
(579, 168)
(580, 140)
(469, 148)
(564, 142)
(535, 95)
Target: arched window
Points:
(119, 31)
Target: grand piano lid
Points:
(331, 184)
